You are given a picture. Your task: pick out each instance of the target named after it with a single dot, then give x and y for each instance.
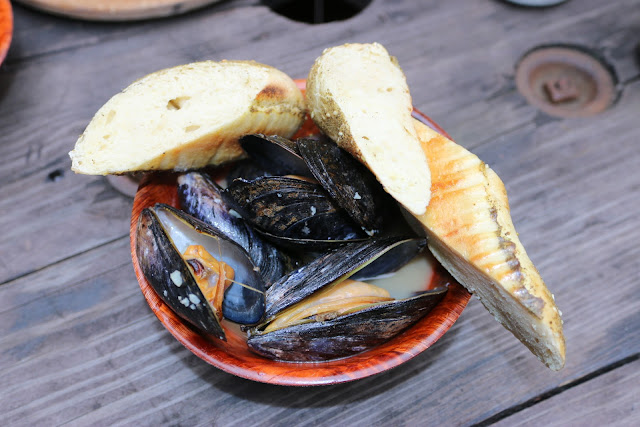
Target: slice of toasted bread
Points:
(358, 95)
(187, 117)
(469, 230)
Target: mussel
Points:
(292, 208)
(348, 182)
(346, 335)
(377, 255)
(202, 198)
(318, 313)
(359, 206)
(199, 273)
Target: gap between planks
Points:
(62, 260)
(556, 391)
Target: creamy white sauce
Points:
(414, 277)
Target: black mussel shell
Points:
(246, 169)
(244, 300)
(348, 182)
(392, 260)
(331, 267)
(170, 277)
(163, 235)
(291, 208)
(275, 154)
(202, 198)
(345, 335)
(308, 245)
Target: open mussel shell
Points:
(275, 154)
(202, 198)
(170, 277)
(163, 234)
(348, 182)
(292, 208)
(392, 259)
(336, 266)
(346, 335)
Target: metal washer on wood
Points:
(566, 81)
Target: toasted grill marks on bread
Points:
(358, 96)
(187, 117)
(469, 229)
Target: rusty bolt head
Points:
(562, 89)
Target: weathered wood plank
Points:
(55, 219)
(610, 399)
(449, 76)
(77, 342)
(90, 351)
(484, 74)
(37, 33)
(86, 348)
(475, 107)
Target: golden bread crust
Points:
(358, 96)
(187, 117)
(470, 231)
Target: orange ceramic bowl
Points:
(233, 355)
(6, 28)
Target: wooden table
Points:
(79, 344)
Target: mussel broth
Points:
(412, 278)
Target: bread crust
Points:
(470, 231)
(358, 96)
(188, 117)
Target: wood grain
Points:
(42, 34)
(572, 186)
(610, 399)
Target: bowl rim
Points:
(6, 28)
(400, 349)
